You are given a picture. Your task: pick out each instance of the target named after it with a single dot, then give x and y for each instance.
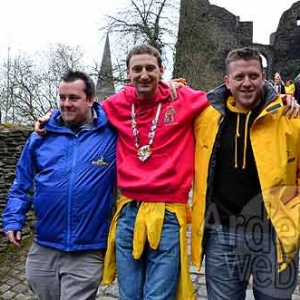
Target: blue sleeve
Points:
(19, 201)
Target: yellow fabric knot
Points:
(148, 225)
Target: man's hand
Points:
(38, 126)
(175, 84)
(14, 237)
(292, 108)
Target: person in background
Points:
(246, 203)
(297, 87)
(279, 84)
(290, 88)
(71, 172)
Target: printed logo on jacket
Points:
(170, 116)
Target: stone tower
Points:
(286, 43)
(105, 83)
(208, 32)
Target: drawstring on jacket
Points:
(246, 138)
(237, 135)
(231, 106)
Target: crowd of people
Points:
(290, 87)
(236, 146)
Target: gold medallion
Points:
(144, 152)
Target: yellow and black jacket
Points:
(275, 142)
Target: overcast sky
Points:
(31, 25)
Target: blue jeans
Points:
(155, 275)
(232, 256)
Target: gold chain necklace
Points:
(144, 152)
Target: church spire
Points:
(105, 83)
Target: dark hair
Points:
(144, 49)
(71, 76)
(244, 54)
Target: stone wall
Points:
(11, 144)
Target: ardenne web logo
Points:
(251, 240)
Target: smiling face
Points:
(144, 72)
(74, 104)
(245, 79)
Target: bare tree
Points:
(5, 95)
(143, 21)
(30, 87)
(62, 57)
(25, 85)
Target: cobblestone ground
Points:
(13, 283)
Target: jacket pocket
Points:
(159, 174)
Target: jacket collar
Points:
(219, 95)
(99, 120)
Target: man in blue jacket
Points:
(72, 173)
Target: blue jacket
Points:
(69, 179)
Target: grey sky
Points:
(31, 25)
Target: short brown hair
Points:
(71, 76)
(144, 49)
(244, 54)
